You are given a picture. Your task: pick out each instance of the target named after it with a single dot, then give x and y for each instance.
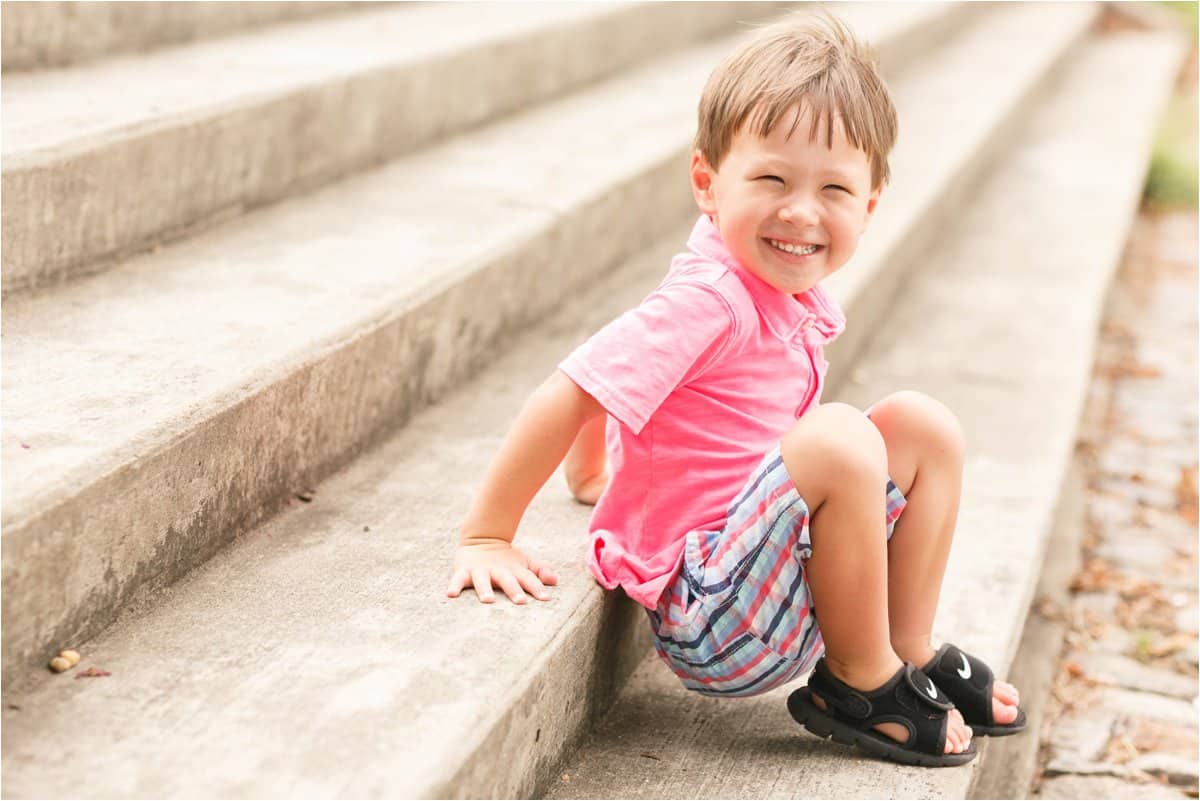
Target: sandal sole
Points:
(816, 721)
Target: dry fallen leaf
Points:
(1145, 605)
(1117, 330)
(1120, 750)
(1170, 644)
(1186, 496)
(1130, 368)
(1049, 609)
(1096, 574)
(92, 672)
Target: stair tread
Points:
(325, 268)
(279, 284)
(44, 115)
(46, 35)
(208, 130)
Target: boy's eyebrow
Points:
(834, 172)
(768, 163)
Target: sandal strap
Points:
(966, 680)
(909, 698)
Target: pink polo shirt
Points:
(699, 381)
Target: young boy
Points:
(731, 503)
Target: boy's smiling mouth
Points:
(793, 249)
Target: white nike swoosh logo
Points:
(931, 691)
(965, 670)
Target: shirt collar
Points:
(813, 316)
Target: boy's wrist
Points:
(483, 540)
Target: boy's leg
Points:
(838, 462)
(925, 453)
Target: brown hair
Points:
(812, 59)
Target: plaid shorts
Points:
(738, 620)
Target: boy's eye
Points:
(838, 187)
(769, 178)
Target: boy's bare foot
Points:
(958, 733)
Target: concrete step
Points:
(155, 411)
(1000, 324)
(333, 614)
(208, 130)
(40, 35)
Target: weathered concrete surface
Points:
(958, 105)
(1105, 787)
(38, 35)
(179, 399)
(1026, 265)
(1127, 672)
(1008, 765)
(174, 140)
(1123, 714)
(319, 657)
(1126, 430)
(190, 413)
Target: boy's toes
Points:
(1003, 705)
(958, 735)
(1006, 693)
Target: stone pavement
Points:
(1121, 722)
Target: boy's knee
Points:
(835, 443)
(921, 420)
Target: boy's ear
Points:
(702, 181)
(872, 202)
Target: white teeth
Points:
(799, 250)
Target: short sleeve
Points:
(632, 364)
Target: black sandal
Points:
(908, 698)
(968, 682)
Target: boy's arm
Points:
(586, 466)
(535, 445)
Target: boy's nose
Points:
(799, 212)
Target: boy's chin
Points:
(791, 286)
(792, 279)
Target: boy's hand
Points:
(482, 563)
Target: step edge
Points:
(48, 55)
(27, 269)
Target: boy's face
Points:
(789, 209)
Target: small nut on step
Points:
(58, 664)
(70, 656)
